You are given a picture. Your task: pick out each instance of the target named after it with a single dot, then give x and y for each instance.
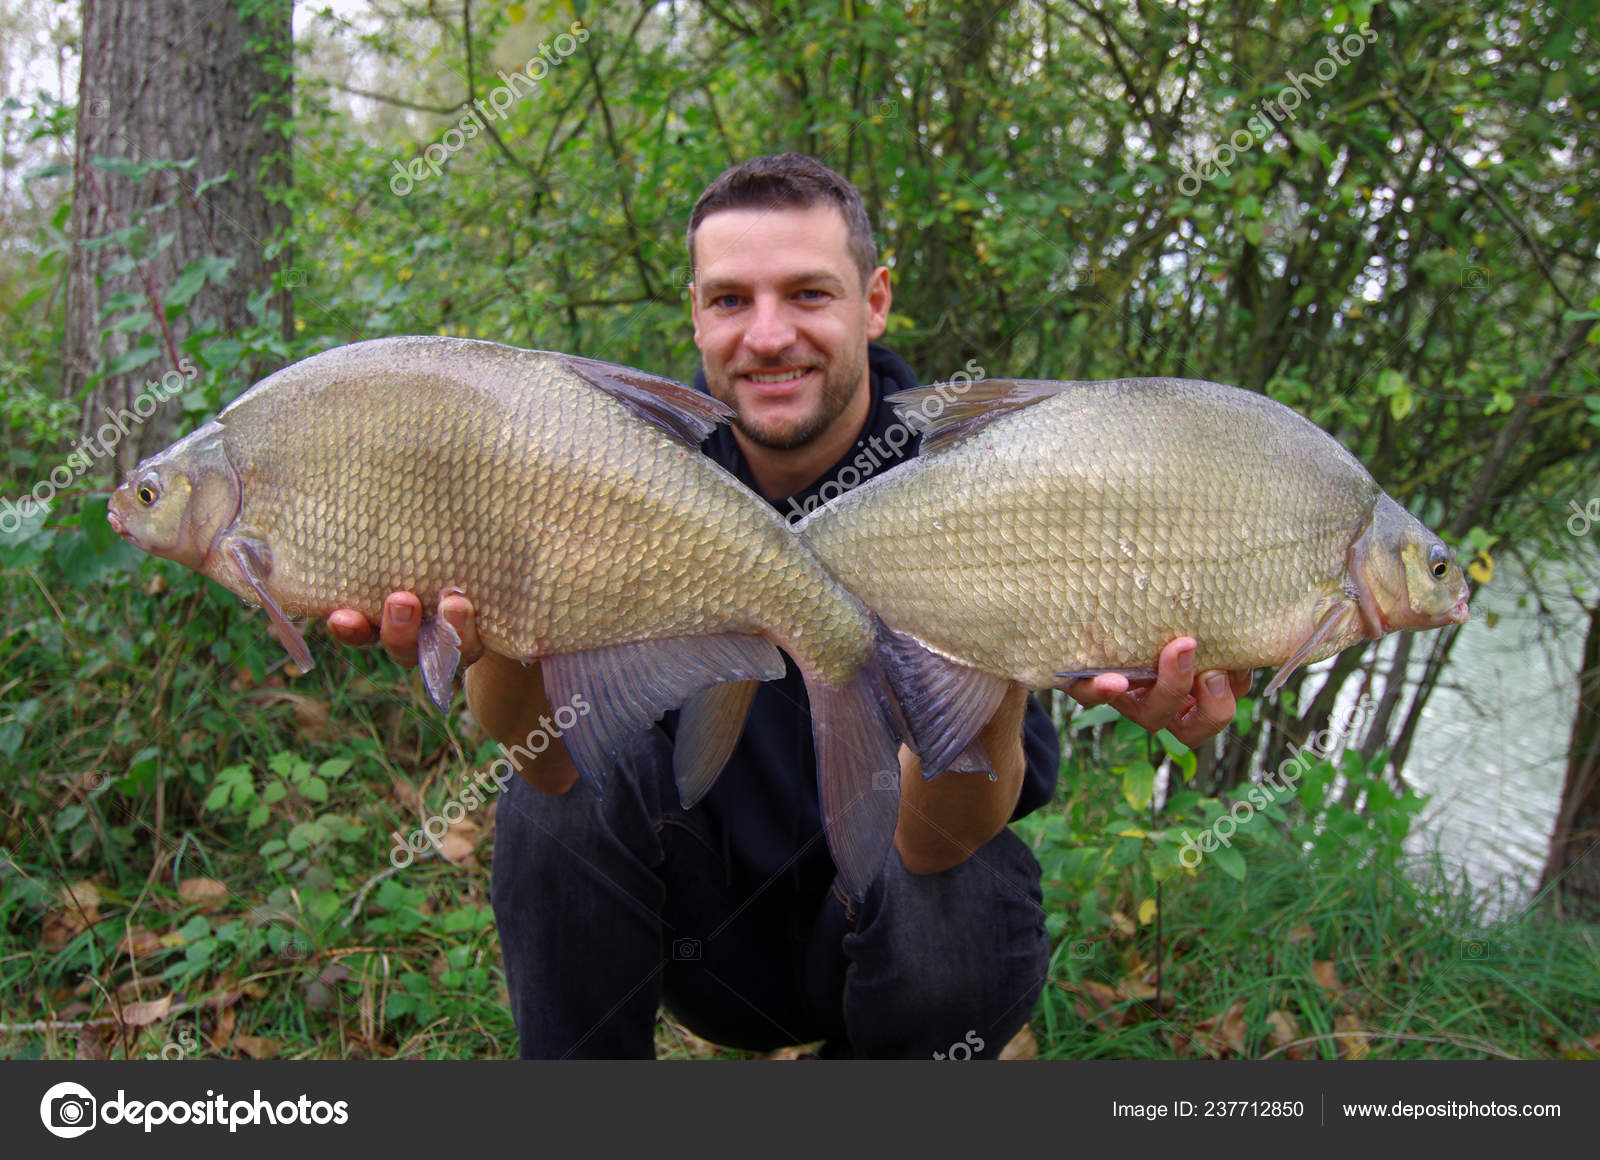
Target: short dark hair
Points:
(793, 181)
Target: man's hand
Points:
(944, 820)
(397, 632)
(506, 696)
(1194, 708)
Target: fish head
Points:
(176, 503)
(1405, 576)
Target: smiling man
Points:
(730, 913)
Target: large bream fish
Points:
(1050, 531)
(568, 500)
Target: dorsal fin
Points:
(682, 412)
(968, 407)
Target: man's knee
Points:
(943, 960)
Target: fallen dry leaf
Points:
(454, 848)
(1022, 1045)
(256, 1047)
(1222, 1034)
(92, 1043)
(138, 942)
(146, 1013)
(1302, 933)
(1351, 1037)
(206, 893)
(796, 1051)
(1327, 978)
(408, 797)
(223, 1031)
(311, 716)
(1282, 1030)
(61, 926)
(1125, 925)
(1097, 1003)
(85, 897)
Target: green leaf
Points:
(315, 789)
(1138, 783)
(257, 817)
(1229, 861)
(185, 286)
(1097, 715)
(334, 767)
(134, 359)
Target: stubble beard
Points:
(841, 379)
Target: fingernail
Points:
(1186, 661)
(400, 613)
(1217, 685)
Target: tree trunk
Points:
(167, 81)
(1573, 869)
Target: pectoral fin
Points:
(254, 561)
(438, 654)
(1333, 622)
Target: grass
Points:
(196, 863)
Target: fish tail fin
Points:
(944, 703)
(858, 771)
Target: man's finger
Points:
(1211, 713)
(1174, 680)
(457, 611)
(351, 627)
(402, 615)
(1097, 690)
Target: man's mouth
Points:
(775, 384)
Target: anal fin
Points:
(708, 729)
(945, 703)
(619, 690)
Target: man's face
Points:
(782, 321)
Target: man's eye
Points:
(726, 301)
(813, 295)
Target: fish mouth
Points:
(1459, 614)
(116, 523)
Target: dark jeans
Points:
(609, 905)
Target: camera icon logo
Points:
(1475, 277)
(685, 950)
(887, 779)
(67, 1110)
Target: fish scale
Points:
(569, 501)
(1074, 528)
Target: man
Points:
(611, 904)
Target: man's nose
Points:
(770, 332)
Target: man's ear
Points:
(879, 299)
(694, 310)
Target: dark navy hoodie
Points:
(765, 802)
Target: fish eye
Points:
(1439, 561)
(147, 493)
